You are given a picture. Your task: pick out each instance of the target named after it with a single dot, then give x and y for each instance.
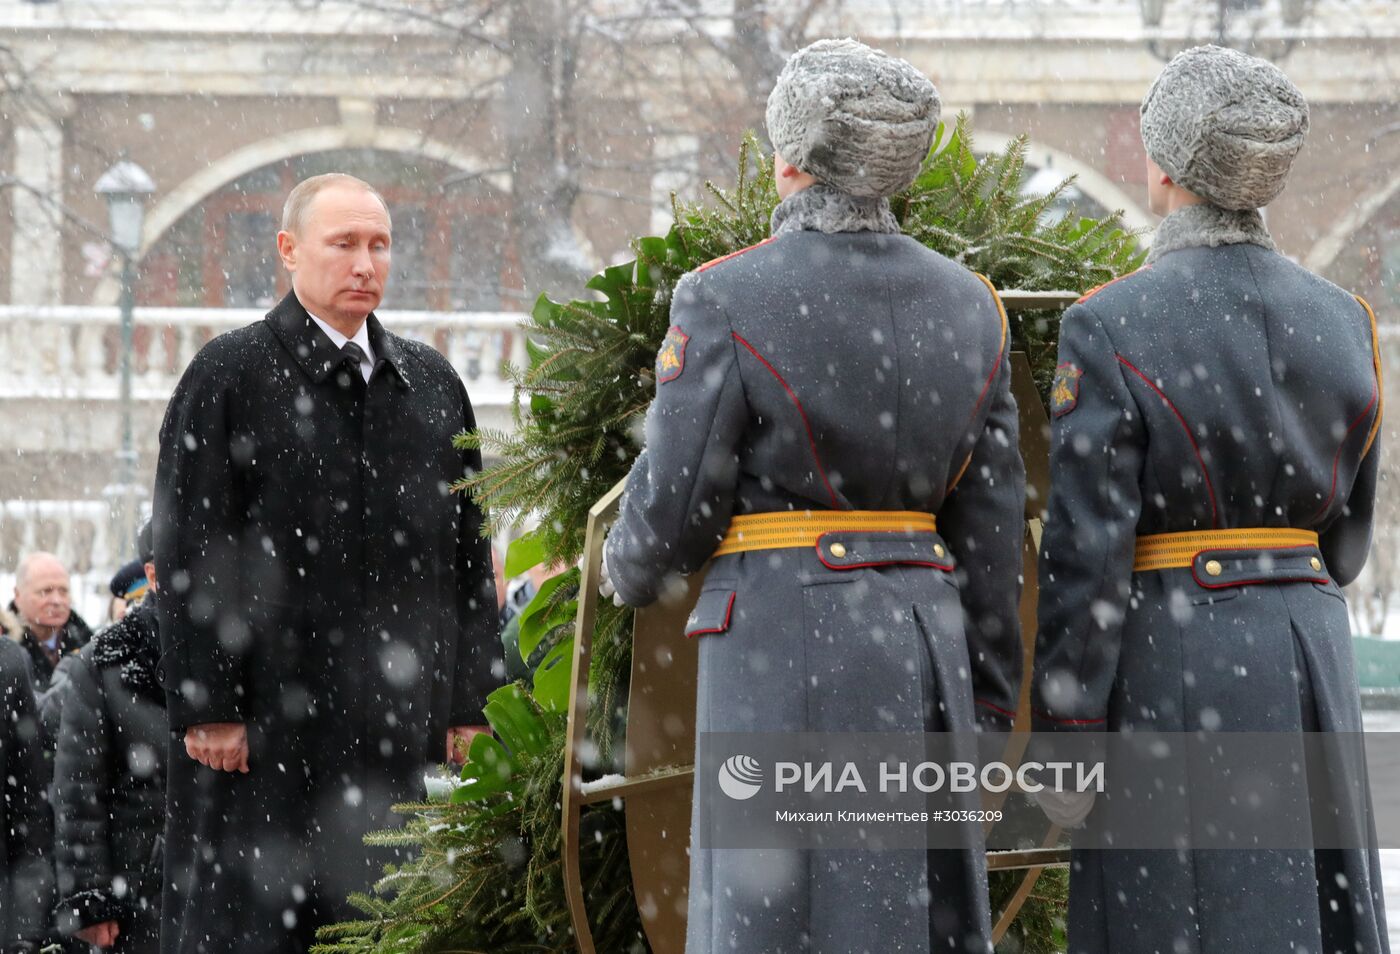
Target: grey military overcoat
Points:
(854, 370)
(1219, 387)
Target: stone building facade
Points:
(227, 104)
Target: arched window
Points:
(452, 248)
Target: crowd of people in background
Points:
(83, 749)
(82, 754)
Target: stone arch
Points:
(175, 203)
(1090, 181)
(1323, 254)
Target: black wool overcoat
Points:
(323, 584)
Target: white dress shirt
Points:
(361, 338)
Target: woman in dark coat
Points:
(839, 377)
(109, 788)
(1213, 479)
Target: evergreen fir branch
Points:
(1034, 207)
(539, 373)
(942, 239)
(1031, 244)
(392, 838)
(1010, 170)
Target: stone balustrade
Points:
(59, 389)
(78, 531)
(74, 352)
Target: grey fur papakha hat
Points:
(1224, 125)
(858, 120)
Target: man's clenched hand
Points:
(222, 746)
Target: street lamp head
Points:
(125, 187)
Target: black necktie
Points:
(354, 353)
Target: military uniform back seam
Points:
(801, 412)
(993, 706)
(1185, 425)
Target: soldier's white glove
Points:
(1065, 809)
(605, 583)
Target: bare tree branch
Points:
(418, 13)
(57, 211)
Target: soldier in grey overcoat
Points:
(837, 366)
(1221, 387)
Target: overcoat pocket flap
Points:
(711, 613)
(1217, 569)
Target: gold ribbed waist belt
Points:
(804, 528)
(1164, 551)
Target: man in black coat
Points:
(26, 826)
(327, 605)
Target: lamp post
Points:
(125, 188)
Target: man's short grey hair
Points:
(27, 563)
(298, 203)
